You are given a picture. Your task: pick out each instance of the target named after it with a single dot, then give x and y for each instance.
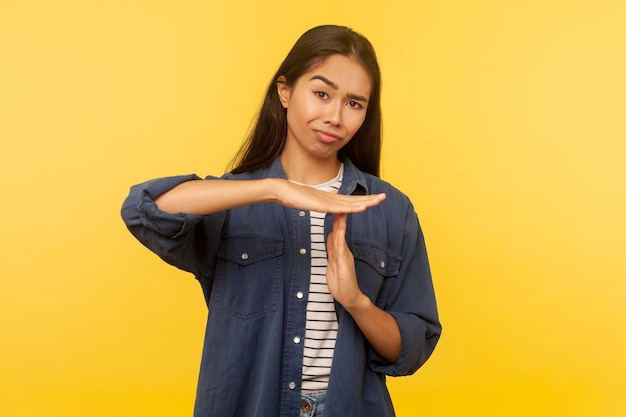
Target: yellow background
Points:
(504, 122)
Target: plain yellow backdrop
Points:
(504, 121)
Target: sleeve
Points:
(411, 301)
(183, 240)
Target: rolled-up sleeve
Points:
(179, 239)
(412, 303)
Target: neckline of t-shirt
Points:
(326, 184)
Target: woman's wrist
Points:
(273, 189)
(359, 306)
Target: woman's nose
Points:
(333, 113)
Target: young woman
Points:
(314, 270)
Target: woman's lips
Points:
(327, 137)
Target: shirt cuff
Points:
(151, 217)
(417, 346)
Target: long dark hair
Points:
(267, 137)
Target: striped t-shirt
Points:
(321, 321)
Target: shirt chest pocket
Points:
(248, 274)
(375, 270)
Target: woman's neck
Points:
(310, 171)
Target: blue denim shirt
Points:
(253, 265)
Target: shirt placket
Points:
(296, 300)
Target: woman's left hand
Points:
(378, 326)
(340, 271)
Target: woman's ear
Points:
(284, 91)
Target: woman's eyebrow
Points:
(334, 86)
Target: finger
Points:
(372, 199)
(339, 223)
(364, 202)
(330, 247)
(339, 233)
(364, 199)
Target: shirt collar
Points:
(353, 179)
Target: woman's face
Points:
(325, 107)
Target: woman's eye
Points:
(354, 105)
(322, 95)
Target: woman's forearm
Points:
(379, 328)
(211, 196)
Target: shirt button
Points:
(244, 256)
(382, 265)
(292, 385)
(301, 213)
(302, 251)
(299, 294)
(296, 340)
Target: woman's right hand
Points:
(303, 197)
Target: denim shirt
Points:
(253, 265)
